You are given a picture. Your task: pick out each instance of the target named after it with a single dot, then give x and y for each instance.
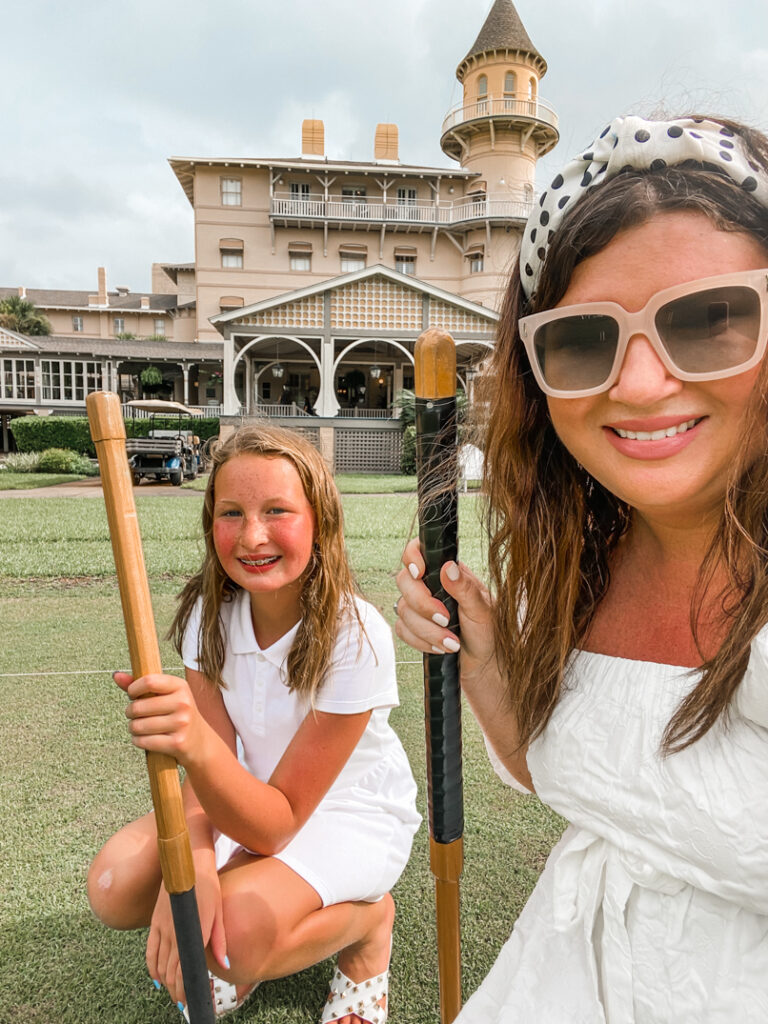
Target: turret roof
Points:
(502, 30)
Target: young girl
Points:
(299, 798)
(621, 668)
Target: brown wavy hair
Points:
(553, 527)
(328, 588)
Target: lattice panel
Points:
(311, 434)
(367, 451)
(456, 320)
(306, 312)
(376, 303)
(8, 341)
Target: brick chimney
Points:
(312, 138)
(145, 302)
(22, 291)
(386, 143)
(102, 299)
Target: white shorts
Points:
(344, 856)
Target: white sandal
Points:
(362, 998)
(224, 996)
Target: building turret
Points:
(499, 131)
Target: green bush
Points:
(62, 460)
(36, 433)
(408, 452)
(22, 462)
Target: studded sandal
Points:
(224, 996)
(362, 998)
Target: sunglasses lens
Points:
(712, 330)
(576, 353)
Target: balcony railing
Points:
(424, 213)
(507, 106)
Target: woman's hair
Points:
(327, 586)
(553, 527)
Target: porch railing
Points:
(432, 213)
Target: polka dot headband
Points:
(631, 142)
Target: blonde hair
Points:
(327, 586)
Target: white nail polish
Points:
(438, 650)
(451, 645)
(452, 571)
(440, 619)
(413, 569)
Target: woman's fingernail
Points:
(156, 983)
(180, 1007)
(413, 569)
(451, 645)
(438, 650)
(440, 619)
(452, 571)
(226, 962)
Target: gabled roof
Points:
(117, 302)
(11, 341)
(503, 30)
(330, 284)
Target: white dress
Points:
(357, 841)
(653, 907)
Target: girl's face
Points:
(263, 525)
(682, 478)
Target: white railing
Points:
(367, 414)
(212, 411)
(509, 205)
(508, 106)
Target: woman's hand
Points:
(162, 954)
(422, 619)
(163, 715)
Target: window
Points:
(77, 324)
(406, 197)
(405, 262)
(65, 380)
(231, 250)
(231, 192)
(350, 263)
(482, 87)
(475, 263)
(119, 324)
(227, 302)
(299, 190)
(159, 327)
(17, 378)
(300, 261)
(510, 83)
(356, 201)
(532, 89)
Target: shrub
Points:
(22, 462)
(408, 451)
(36, 433)
(58, 460)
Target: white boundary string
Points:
(109, 671)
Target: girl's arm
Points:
(481, 681)
(188, 720)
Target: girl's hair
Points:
(327, 586)
(553, 527)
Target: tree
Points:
(22, 316)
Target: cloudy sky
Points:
(95, 96)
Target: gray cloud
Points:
(106, 92)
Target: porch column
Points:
(327, 403)
(185, 374)
(231, 403)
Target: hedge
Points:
(36, 433)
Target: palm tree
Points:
(22, 316)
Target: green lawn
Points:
(349, 483)
(69, 776)
(10, 481)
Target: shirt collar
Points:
(242, 639)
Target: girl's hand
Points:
(163, 715)
(162, 954)
(422, 619)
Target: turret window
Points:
(532, 89)
(510, 88)
(482, 94)
(475, 259)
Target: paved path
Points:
(91, 488)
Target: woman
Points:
(621, 668)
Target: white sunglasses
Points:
(702, 330)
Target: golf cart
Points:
(165, 454)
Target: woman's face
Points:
(679, 479)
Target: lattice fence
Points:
(367, 451)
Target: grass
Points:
(10, 481)
(69, 776)
(348, 483)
